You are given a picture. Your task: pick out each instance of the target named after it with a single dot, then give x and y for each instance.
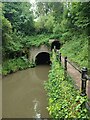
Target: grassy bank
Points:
(37, 40)
(77, 50)
(13, 65)
(64, 99)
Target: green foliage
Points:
(6, 25)
(20, 16)
(76, 17)
(36, 40)
(64, 20)
(6, 30)
(77, 50)
(6, 34)
(57, 29)
(49, 24)
(13, 65)
(15, 43)
(64, 98)
(55, 36)
(44, 24)
(67, 36)
(49, 16)
(82, 18)
(40, 25)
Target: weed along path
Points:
(24, 95)
(76, 76)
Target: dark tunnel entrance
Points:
(57, 45)
(42, 58)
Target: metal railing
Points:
(83, 71)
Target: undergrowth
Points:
(38, 40)
(64, 99)
(13, 65)
(77, 50)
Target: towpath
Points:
(76, 75)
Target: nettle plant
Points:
(64, 99)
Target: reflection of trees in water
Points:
(41, 72)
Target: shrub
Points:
(77, 50)
(16, 64)
(64, 99)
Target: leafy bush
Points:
(36, 40)
(64, 98)
(55, 36)
(77, 50)
(14, 65)
(57, 29)
(20, 43)
(66, 36)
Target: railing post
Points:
(84, 81)
(57, 55)
(65, 63)
(54, 48)
(60, 57)
(65, 67)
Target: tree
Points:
(49, 24)
(20, 16)
(6, 34)
(49, 15)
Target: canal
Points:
(24, 95)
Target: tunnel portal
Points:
(42, 58)
(56, 43)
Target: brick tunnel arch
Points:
(57, 44)
(42, 58)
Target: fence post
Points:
(65, 63)
(84, 81)
(54, 48)
(60, 57)
(57, 55)
(65, 67)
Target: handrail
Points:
(87, 77)
(83, 71)
(71, 64)
(74, 66)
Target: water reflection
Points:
(24, 95)
(41, 73)
(37, 109)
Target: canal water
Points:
(24, 95)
